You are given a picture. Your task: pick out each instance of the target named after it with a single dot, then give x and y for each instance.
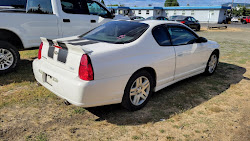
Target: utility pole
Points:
(232, 4)
(232, 8)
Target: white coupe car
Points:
(123, 62)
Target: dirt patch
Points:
(230, 29)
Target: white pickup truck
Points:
(22, 28)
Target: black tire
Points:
(16, 57)
(207, 71)
(198, 28)
(126, 100)
(244, 22)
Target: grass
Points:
(40, 137)
(79, 110)
(136, 137)
(162, 131)
(198, 108)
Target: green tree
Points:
(242, 11)
(113, 5)
(171, 3)
(102, 2)
(248, 12)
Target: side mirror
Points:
(201, 40)
(197, 21)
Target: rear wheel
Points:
(138, 91)
(9, 57)
(212, 64)
(244, 22)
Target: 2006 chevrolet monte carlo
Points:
(123, 62)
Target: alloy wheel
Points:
(139, 90)
(6, 59)
(212, 63)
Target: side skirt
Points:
(174, 81)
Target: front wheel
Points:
(9, 57)
(212, 64)
(198, 28)
(138, 91)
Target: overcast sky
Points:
(181, 2)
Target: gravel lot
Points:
(232, 25)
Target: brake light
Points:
(183, 22)
(86, 69)
(40, 51)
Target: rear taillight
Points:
(86, 69)
(183, 22)
(40, 51)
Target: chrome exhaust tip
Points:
(67, 103)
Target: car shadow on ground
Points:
(176, 98)
(22, 73)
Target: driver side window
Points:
(181, 36)
(96, 9)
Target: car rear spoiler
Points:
(61, 45)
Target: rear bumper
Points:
(69, 86)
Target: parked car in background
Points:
(136, 18)
(235, 19)
(157, 18)
(108, 66)
(187, 20)
(245, 20)
(172, 18)
(22, 28)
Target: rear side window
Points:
(193, 19)
(161, 36)
(75, 6)
(181, 36)
(39, 7)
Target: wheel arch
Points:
(217, 51)
(12, 38)
(151, 71)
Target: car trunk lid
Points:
(63, 54)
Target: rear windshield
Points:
(13, 3)
(117, 32)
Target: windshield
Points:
(117, 32)
(14, 3)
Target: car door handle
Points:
(66, 20)
(93, 21)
